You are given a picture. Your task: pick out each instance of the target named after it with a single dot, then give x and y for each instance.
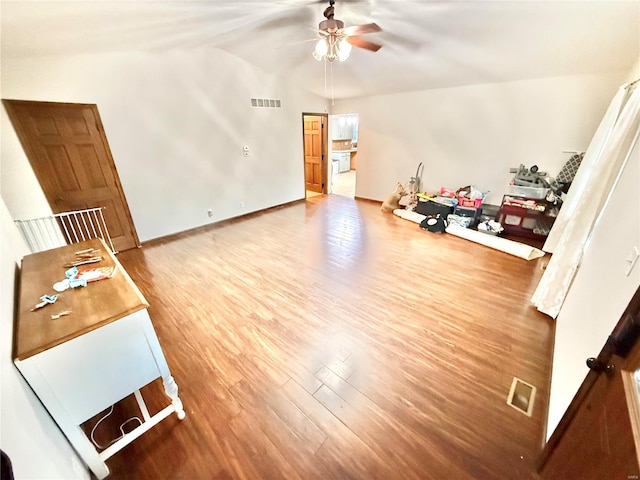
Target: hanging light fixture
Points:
(321, 50)
(335, 41)
(333, 44)
(332, 48)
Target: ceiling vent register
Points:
(265, 103)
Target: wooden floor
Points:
(328, 340)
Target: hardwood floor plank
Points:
(311, 436)
(378, 428)
(337, 431)
(341, 443)
(268, 461)
(338, 407)
(326, 340)
(302, 376)
(283, 433)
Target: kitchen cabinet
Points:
(344, 160)
(342, 129)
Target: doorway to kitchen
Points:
(344, 148)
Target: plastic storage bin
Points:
(469, 203)
(527, 192)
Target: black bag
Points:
(434, 223)
(473, 213)
(429, 207)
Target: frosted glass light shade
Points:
(321, 47)
(344, 49)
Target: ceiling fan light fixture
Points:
(336, 41)
(321, 48)
(344, 49)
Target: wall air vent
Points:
(265, 103)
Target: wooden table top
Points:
(93, 306)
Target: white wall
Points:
(634, 73)
(600, 291)
(474, 134)
(37, 448)
(176, 123)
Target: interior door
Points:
(598, 437)
(68, 150)
(315, 152)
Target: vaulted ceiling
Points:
(426, 44)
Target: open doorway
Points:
(315, 153)
(344, 146)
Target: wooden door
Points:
(68, 150)
(315, 152)
(599, 435)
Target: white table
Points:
(81, 364)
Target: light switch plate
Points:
(631, 261)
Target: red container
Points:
(445, 192)
(468, 203)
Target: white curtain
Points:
(593, 182)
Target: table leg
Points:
(171, 389)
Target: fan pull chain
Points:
(325, 77)
(332, 102)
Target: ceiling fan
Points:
(336, 40)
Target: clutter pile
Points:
(462, 207)
(531, 204)
(491, 227)
(528, 209)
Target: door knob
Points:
(598, 366)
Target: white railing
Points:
(64, 228)
(41, 233)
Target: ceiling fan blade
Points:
(361, 29)
(362, 43)
(299, 42)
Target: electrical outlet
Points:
(241, 204)
(210, 213)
